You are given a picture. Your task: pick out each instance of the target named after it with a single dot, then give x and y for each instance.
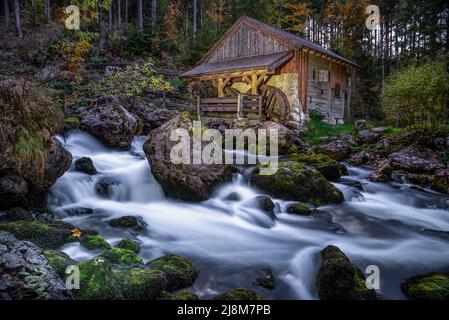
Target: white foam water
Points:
(378, 224)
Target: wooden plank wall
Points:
(246, 42)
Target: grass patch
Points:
(318, 130)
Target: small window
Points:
(323, 76)
(322, 91)
(337, 91)
(314, 75)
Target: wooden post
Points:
(198, 107)
(254, 84)
(220, 88)
(239, 105)
(260, 107)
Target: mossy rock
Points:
(51, 235)
(268, 280)
(329, 168)
(59, 261)
(434, 286)
(141, 284)
(183, 295)
(239, 294)
(179, 272)
(339, 279)
(98, 281)
(73, 122)
(129, 244)
(300, 209)
(95, 243)
(293, 182)
(122, 257)
(128, 222)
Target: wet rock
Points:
(265, 204)
(300, 209)
(383, 174)
(95, 243)
(185, 295)
(105, 187)
(78, 211)
(25, 273)
(234, 197)
(330, 169)
(130, 245)
(111, 123)
(420, 179)
(218, 124)
(128, 222)
(293, 182)
(189, 182)
(154, 118)
(285, 136)
(123, 257)
(434, 286)
(238, 294)
(179, 272)
(440, 182)
(416, 160)
(265, 279)
(338, 150)
(85, 165)
(360, 124)
(49, 235)
(368, 136)
(59, 261)
(360, 158)
(18, 214)
(339, 279)
(345, 136)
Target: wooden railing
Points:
(238, 106)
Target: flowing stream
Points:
(400, 228)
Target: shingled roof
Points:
(265, 62)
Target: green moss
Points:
(300, 209)
(129, 245)
(238, 294)
(141, 284)
(185, 295)
(179, 272)
(29, 147)
(59, 261)
(97, 281)
(49, 235)
(293, 182)
(429, 287)
(94, 243)
(121, 257)
(268, 281)
(73, 122)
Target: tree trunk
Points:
(6, 14)
(126, 13)
(139, 15)
(195, 15)
(47, 9)
(17, 19)
(153, 15)
(186, 22)
(119, 13)
(110, 17)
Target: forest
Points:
(353, 94)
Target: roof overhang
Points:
(261, 63)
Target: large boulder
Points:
(27, 185)
(154, 118)
(189, 182)
(360, 158)
(85, 165)
(25, 273)
(111, 123)
(416, 160)
(434, 286)
(338, 149)
(329, 168)
(339, 279)
(294, 182)
(383, 173)
(286, 136)
(368, 136)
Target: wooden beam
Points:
(254, 84)
(220, 88)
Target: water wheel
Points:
(276, 104)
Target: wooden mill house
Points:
(260, 69)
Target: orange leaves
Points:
(76, 233)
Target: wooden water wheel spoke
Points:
(276, 103)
